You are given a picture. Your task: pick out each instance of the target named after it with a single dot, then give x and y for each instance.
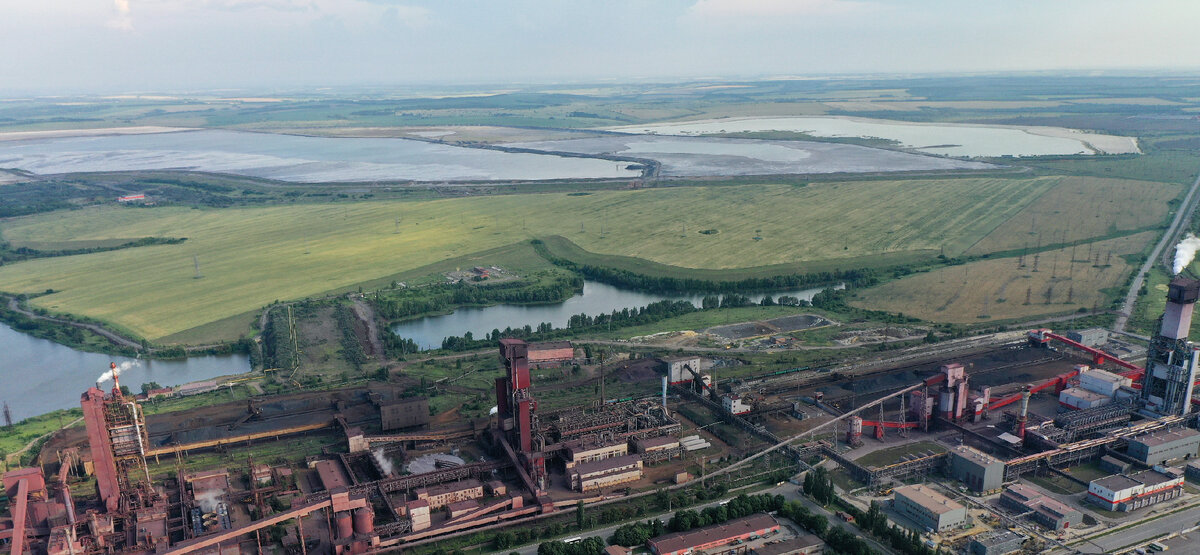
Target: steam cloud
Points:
(384, 462)
(121, 19)
(1185, 251)
(208, 500)
(114, 372)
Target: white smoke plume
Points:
(121, 19)
(114, 372)
(384, 462)
(1185, 251)
(208, 499)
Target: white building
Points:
(1080, 398)
(734, 405)
(1125, 493)
(1102, 382)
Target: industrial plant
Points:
(396, 478)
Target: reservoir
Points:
(296, 158)
(597, 298)
(41, 375)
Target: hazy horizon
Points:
(109, 46)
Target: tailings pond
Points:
(41, 375)
(597, 298)
(715, 156)
(296, 158)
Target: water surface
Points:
(40, 375)
(597, 298)
(296, 158)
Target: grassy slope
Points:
(151, 290)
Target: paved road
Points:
(788, 491)
(1169, 238)
(1142, 532)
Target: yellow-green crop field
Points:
(997, 289)
(250, 257)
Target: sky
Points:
(105, 46)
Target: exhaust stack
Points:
(1023, 416)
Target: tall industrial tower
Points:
(517, 410)
(1172, 359)
(117, 437)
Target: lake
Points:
(596, 298)
(41, 375)
(717, 156)
(935, 138)
(296, 158)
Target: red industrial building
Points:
(681, 543)
(550, 353)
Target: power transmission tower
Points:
(7, 416)
(196, 263)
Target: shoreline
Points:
(85, 132)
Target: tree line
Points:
(405, 303)
(663, 284)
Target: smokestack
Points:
(664, 392)
(1185, 252)
(1181, 299)
(1023, 416)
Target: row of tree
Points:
(550, 287)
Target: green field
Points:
(308, 249)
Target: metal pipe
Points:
(137, 427)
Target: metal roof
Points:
(926, 497)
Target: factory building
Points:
(1162, 446)
(716, 536)
(1044, 510)
(453, 492)
(681, 369)
(652, 444)
(734, 404)
(1096, 388)
(1078, 398)
(996, 542)
(1171, 359)
(1092, 337)
(579, 452)
(1192, 471)
(405, 413)
(928, 508)
(591, 476)
(1127, 492)
(550, 353)
(980, 471)
(803, 544)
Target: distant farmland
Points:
(998, 289)
(250, 257)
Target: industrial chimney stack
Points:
(1171, 360)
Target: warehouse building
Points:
(1192, 471)
(652, 444)
(1044, 510)
(1078, 398)
(580, 452)
(1127, 492)
(1092, 337)
(453, 492)
(804, 544)
(1100, 381)
(550, 353)
(591, 476)
(996, 542)
(980, 471)
(1162, 446)
(928, 508)
(734, 405)
(405, 413)
(1113, 465)
(719, 535)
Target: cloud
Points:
(717, 10)
(121, 19)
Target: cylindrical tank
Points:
(364, 520)
(358, 547)
(345, 524)
(946, 404)
(856, 425)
